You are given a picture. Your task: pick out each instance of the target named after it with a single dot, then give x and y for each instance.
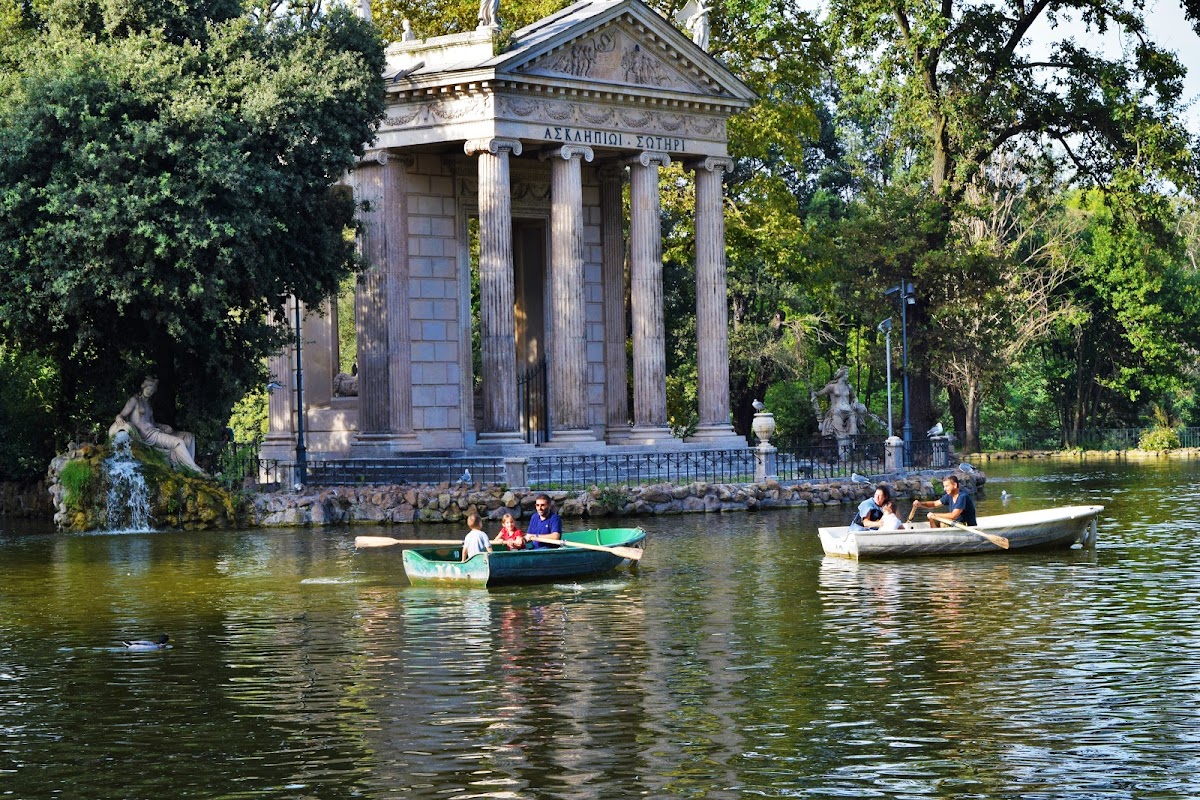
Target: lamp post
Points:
(886, 328)
(301, 450)
(907, 298)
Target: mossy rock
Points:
(178, 499)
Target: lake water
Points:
(737, 662)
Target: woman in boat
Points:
(870, 511)
(510, 535)
(960, 503)
(476, 541)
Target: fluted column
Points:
(612, 232)
(712, 323)
(280, 442)
(568, 341)
(381, 309)
(649, 339)
(501, 420)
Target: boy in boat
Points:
(962, 507)
(476, 541)
(890, 521)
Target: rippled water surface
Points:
(736, 662)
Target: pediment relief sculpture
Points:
(615, 55)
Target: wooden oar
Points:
(999, 541)
(632, 553)
(387, 541)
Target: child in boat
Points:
(476, 541)
(891, 520)
(510, 534)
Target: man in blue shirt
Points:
(544, 523)
(960, 503)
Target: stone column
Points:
(649, 338)
(568, 340)
(381, 310)
(712, 323)
(616, 387)
(501, 420)
(280, 442)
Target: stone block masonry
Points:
(384, 505)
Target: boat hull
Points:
(1056, 528)
(441, 567)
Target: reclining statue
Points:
(137, 419)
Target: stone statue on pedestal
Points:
(137, 419)
(846, 413)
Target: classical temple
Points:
(516, 161)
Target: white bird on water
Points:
(1004, 496)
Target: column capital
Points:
(567, 152)
(649, 158)
(492, 145)
(710, 164)
(382, 158)
(612, 172)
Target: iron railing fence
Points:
(1087, 439)
(863, 456)
(416, 470)
(586, 470)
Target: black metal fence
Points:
(416, 470)
(1087, 439)
(679, 467)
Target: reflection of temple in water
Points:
(509, 271)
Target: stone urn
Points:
(763, 426)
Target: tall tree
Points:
(934, 90)
(167, 179)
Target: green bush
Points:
(1159, 439)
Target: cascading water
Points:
(128, 497)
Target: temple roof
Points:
(621, 45)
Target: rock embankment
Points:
(451, 503)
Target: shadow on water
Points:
(737, 661)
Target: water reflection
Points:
(738, 661)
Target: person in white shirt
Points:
(890, 521)
(476, 541)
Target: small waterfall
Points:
(128, 497)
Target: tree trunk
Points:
(920, 403)
(972, 405)
(958, 412)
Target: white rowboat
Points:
(1044, 529)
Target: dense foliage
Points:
(167, 179)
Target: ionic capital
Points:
(649, 158)
(612, 172)
(567, 152)
(492, 145)
(710, 164)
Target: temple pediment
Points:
(620, 56)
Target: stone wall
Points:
(446, 503)
(26, 500)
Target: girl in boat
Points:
(510, 535)
(890, 521)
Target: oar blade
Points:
(374, 541)
(388, 541)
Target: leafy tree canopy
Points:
(167, 178)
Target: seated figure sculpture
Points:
(137, 419)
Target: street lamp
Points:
(301, 450)
(885, 328)
(907, 298)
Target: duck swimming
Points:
(159, 643)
